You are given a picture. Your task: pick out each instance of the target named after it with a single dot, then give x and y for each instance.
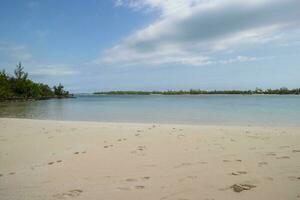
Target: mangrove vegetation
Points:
(20, 87)
(281, 91)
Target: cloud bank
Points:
(192, 32)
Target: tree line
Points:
(20, 87)
(281, 91)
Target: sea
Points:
(273, 110)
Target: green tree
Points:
(20, 87)
(59, 91)
(5, 89)
(19, 72)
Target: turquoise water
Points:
(210, 109)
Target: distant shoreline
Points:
(281, 91)
(186, 94)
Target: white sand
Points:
(103, 161)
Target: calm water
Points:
(231, 110)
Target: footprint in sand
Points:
(294, 178)
(283, 157)
(262, 163)
(242, 187)
(284, 147)
(1, 175)
(271, 154)
(141, 148)
(69, 194)
(180, 136)
(12, 173)
(296, 151)
(59, 161)
(238, 173)
(50, 163)
(135, 180)
(145, 178)
(269, 178)
(77, 152)
(183, 165)
(139, 187)
(130, 180)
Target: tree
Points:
(20, 87)
(259, 91)
(5, 89)
(19, 72)
(59, 91)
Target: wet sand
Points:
(89, 160)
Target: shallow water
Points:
(198, 109)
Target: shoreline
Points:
(186, 95)
(212, 124)
(21, 99)
(48, 159)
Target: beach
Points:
(44, 159)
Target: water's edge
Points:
(212, 110)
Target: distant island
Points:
(19, 87)
(281, 91)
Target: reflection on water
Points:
(234, 109)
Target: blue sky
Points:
(153, 44)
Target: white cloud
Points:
(241, 59)
(15, 53)
(190, 32)
(167, 7)
(54, 70)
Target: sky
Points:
(103, 45)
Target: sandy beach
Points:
(89, 160)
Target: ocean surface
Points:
(198, 109)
